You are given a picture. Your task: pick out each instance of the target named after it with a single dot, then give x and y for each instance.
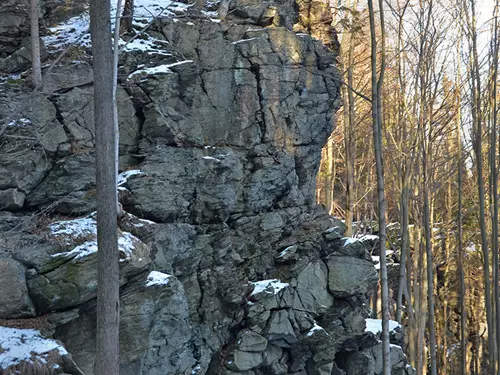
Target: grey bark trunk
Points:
(377, 144)
(107, 348)
(36, 63)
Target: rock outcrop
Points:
(227, 265)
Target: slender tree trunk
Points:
(349, 136)
(430, 267)
(494, 193)
(107, 348)
(116, 51)
(328, 175)
(405, 243)
(127, 18)
(478, 130)
(377, 83)
(463, 316)
(36, 63)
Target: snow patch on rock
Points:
(272, 286)
(20, 345)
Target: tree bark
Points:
(107, 348)
(477, 130)
(377, 82)
(36, 63)
(127, 17)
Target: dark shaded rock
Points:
(14, 299)
(69, 186)
(349, 277)
(154, 325)
(11, 199)
(68, 77)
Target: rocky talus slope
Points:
(227, 266)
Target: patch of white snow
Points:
(20, 122)
(349, 240)
(273, 286)
(157, 278)
(375, 325)
(124, 176)
(316, 328)
(18, 345)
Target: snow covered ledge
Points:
(26, 351)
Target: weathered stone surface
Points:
(249, 341)
(76, 108)
(14, 24)
(14, 299)
(243, 361)
(75, 281)
(70, 186)
(349, 276)
(154, 325)
(312, 287)
(31, 138)
(227, 135)
(279, 330)
(11, 199)
(20, 60)
(68, 77)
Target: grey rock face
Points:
(13, 24)
(239, 273)
(350, 276)
(14, 299)
(273, 113)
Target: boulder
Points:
(14, 299)
(350, 276)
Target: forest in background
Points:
(439, 108)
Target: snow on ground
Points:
(124, 176)
(81, 251)
(272, 286)
(77, 228)
(19, 345)
(349, 240)
(375, 325)
(160, 69)
(20, 122)
(76, 30)
(68, 32)
(157, 278)
(150, 45)
(369, 237)
(285, 251)
(316, 328)
(86, 228)
(244, 40)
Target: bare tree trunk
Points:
(107, 348)
(36, 63)
(478, 129)
(463, 316)
(377, 83)
(127, 18)
(116, 51)
(349, 136)
(494, 193)
(430, 266)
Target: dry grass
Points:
(36, 365)
(40, 323)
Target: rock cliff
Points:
(227, 266)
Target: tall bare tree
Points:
(36, 63)
(108, 304)
(377, 83)
(477, 124)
